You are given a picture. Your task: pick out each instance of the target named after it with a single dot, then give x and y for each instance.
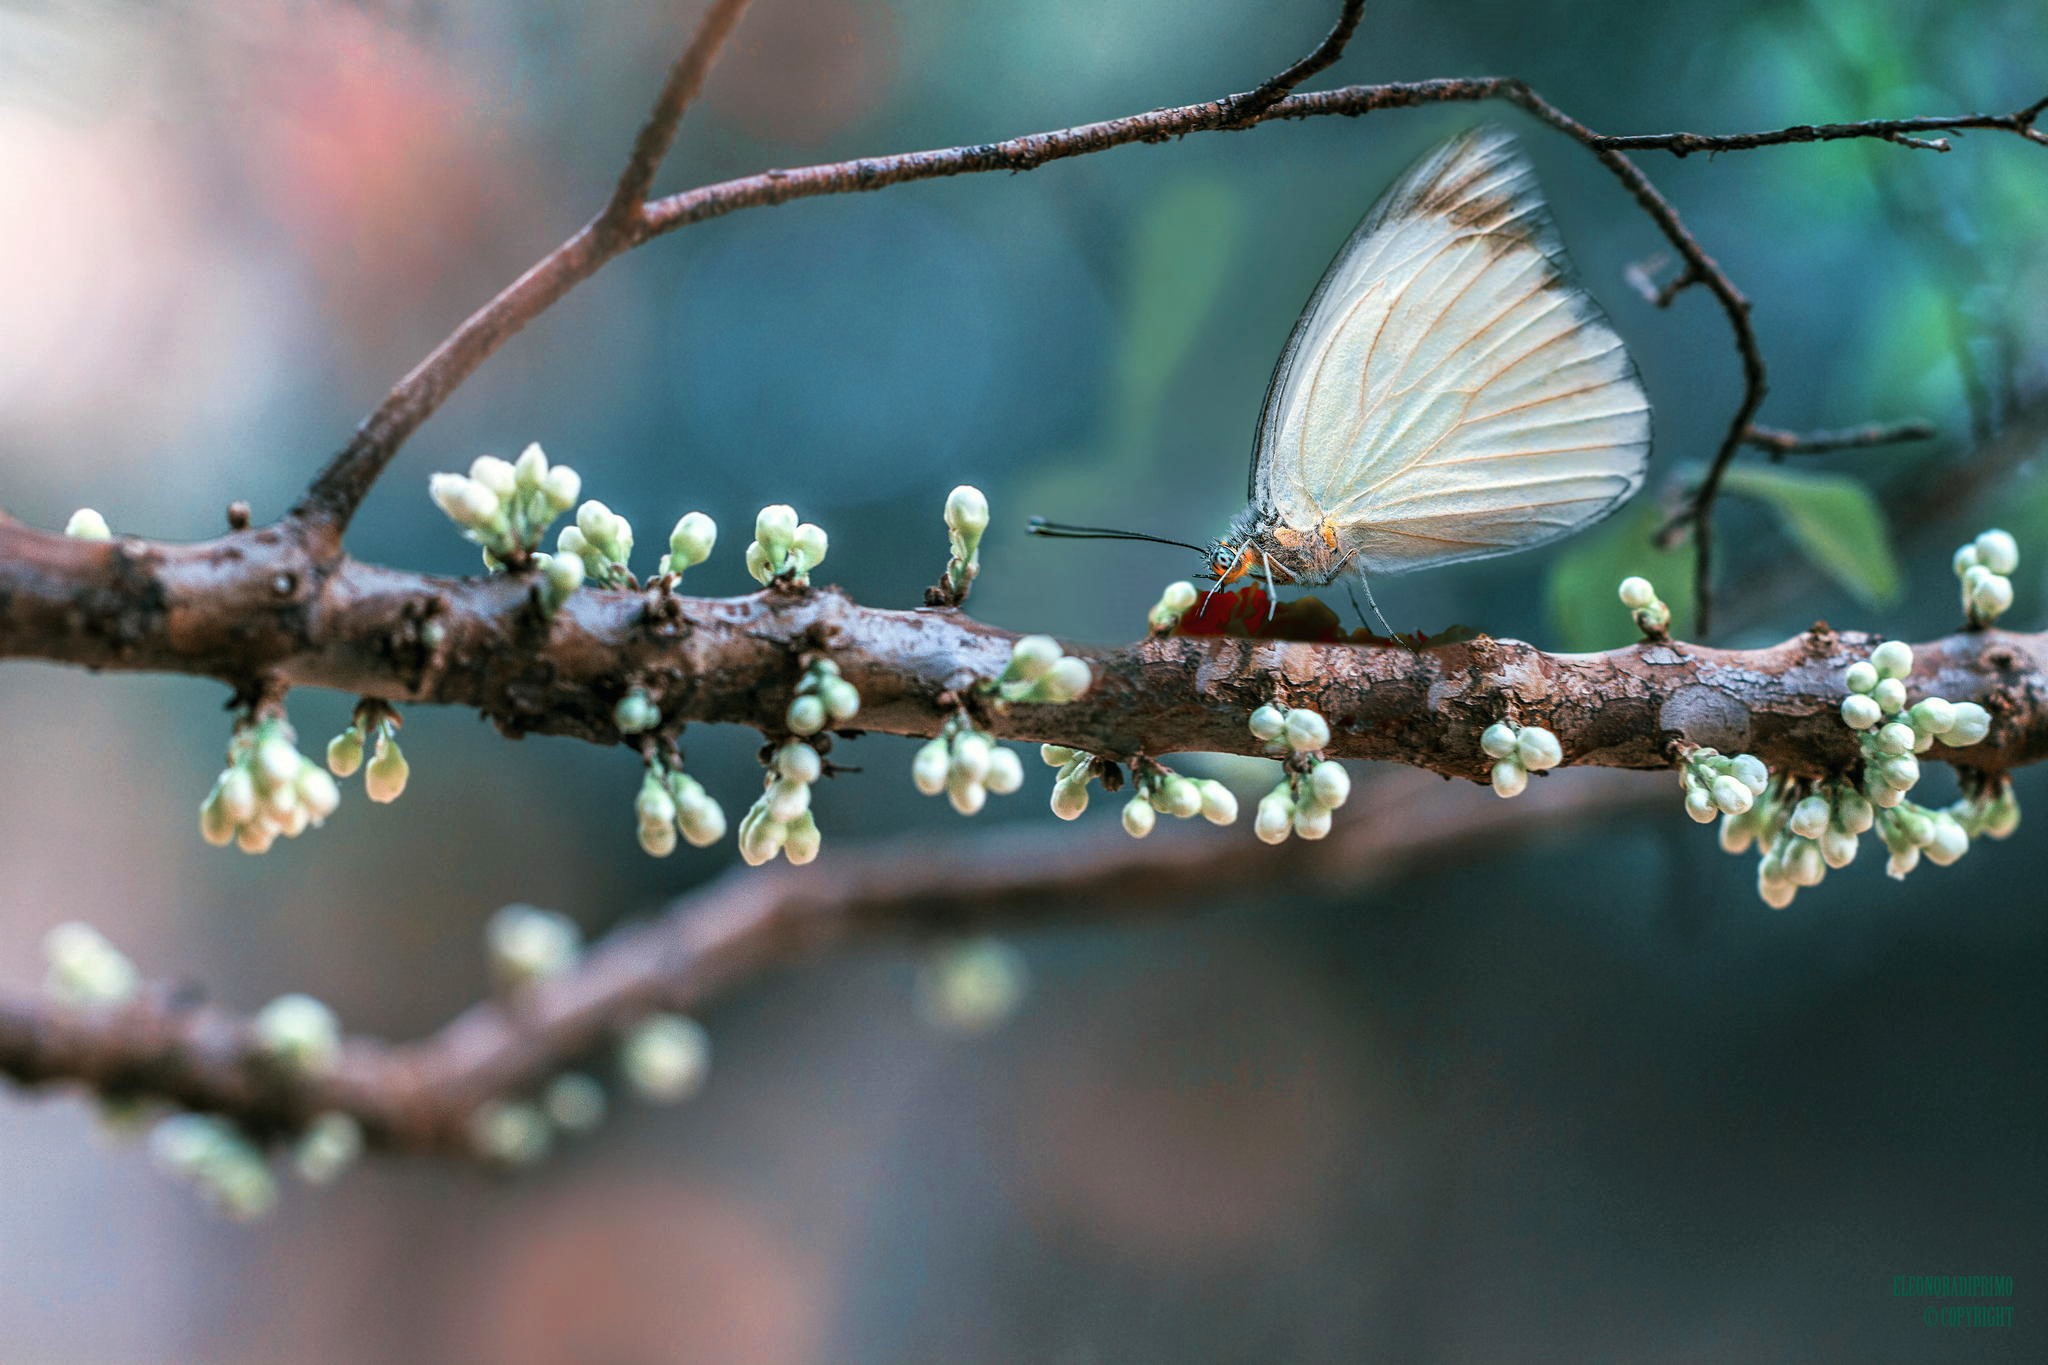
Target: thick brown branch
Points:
(254, 607)
(417, 1097)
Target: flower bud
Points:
(806, 715)
(1971, 724)
(1750, 771)
(1895, 738)
(1070, 797)
(1810, 818)
(1803, 863)
(1311, 821)
(775, 528)
(563, 576)
(657, 840)
(966, 794)
(1861, 677)
(1892, 659)
(1064, 681)
(385, 777)
(527, 944)
(786, 800)
(1275, 818)
(511, 1133)
(298, 1033)
(561, 487)
(1699, 802)
(842, 700)
(808, 547)
(666, 1057)
(636, 712)
(1853, 812)
(574, 1102)
(1900, 772)
(1932, 716)
(1860, 712)
(760, 567)
(1268, 723)
(1990, 598)
(1890, 695)
(1057, 755)
(1728, 793)
(318, 795)
(530, 470)
(1965, 559)
(1775, 892)
(654, 805)
(1005, 771)
(1307, 731)
(701, 819)
(1498, 740)
(1948, 841)
(216, 826)
(1538, 748)
(1032, 657)
(496, 475)
(1179, 797)
(277, 762)
(1837, 847)
(345, 753)
(1637, 593)
(1219, 803)
(1737, 833)
(690, 543)
(799, 762)
(1997, 551)
(1329, 784)
(86, 524)
(804, 839)
(1510, 778)
(329, 1146)
(967, 514)
(1138, 817)
(928, 770)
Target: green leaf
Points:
(1833, 520)
(1583, 605)
(1181, 256)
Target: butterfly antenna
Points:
(1060, 530)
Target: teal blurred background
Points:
(1586, 1101)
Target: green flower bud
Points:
(657, 840)
(385, 777)
(1892, 659)
(298, 1033)
(806, 715)
(785, 800)
(1498, 740)
(1900, 772)
(1636, 593)
(1070, 797)
(775, 528)
(85, 969)
(86, 524)
(2003, 818)
(760, 566)
(690, 543)
(636, 712)
(666, 1058)
(1219, 803)
(1538, 748)
(761, 837)
(345, 753)
(563, 575)
(574, 1102)
(1861, 677)
(1268, 723)
(802, 844)
(654, 805)
(1510, 778)
(1176, 601)
(1860, 712)
(1971, 724)
(1932, 716)
(1180, 797)
(808, 546)
(967, 516)
(1998, 551)
(1005, 772)
(1138, 817)
(1057, 755)
(1329, 784)
(1737, 833)
(1306, 732)
(1890, 695)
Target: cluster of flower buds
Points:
(1652, 617)
(1801, 831)
(1158, 790)
(506, 507)
(665, 1057)
(784, 547)
(1312, 788)
(1076, 770)
(526, 944)
(1893, 733)
(822, 697)
(603, 540)
(1717, 784)
(1516, 752)
(1175, 602)
(268, 788)
(385, 778)
(1984, 567)
(967, 764)
(1039, 672)
(218, 1161)
(297, 1034)
(972, 985)
(671, 802)
(86, 971)
(689, 544)
(781, 820)
(966, 520)
(86, 524)
(636, 712)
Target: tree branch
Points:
(417, 1097)
(1899, 130)
(254, 608)
(1780, 442)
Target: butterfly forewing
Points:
(1450, 392)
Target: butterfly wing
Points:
(1450, 392)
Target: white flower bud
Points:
(1729, 793)
(86, 524)
(1307, 732)
(256, 839)
(496, 475)
(1902, 862)
(1510, 778)
(809, 546)
(1775, 893)
(1498, 740)
(701, 819)
(971, 752)
(1699, 803)
(1138, 817)
(1853, 812)
(1178, 597)
(928, 770)
(1971, 724)
(1064, 681)
(666, 1058)
(561, 487)
(1637, 593)
(530, 470)
(657, 840)
(690, 543)
(1803, 863)
(1810, 818)
(1032, 657)
(298, 1033)
(841, 698)
(317, 793)
(1900, 772)
(85, 969)
(1860, 712)
(804, 840)
(799, 762)
(1005, 771)
(1837, 847)
(655, 805)
(1997, 551)
(785, 800)
(806, 715)
(1965, 559)
(1538, 748)
(527, 944)
(216, 826)
(1268, 723)
(1329, 784)
(1991, 597)
(563, 576)
(1890, 695)
(1070, 797)
(1311, 821)
(1895, 738)
(1949, 841)
(1892, 659)
(636, 712)
(1275, 818)
(385, 778)
(967, 513)
(1737, 832)
(1057, 755)
(967, 794)
(1861, 677)
(277, 763)
(574, 1102)
(1932, 716)
(1750, 771)
(1179, 797)
(775, 528)
(345, 753)
(1219, 803)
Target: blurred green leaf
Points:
(1181, 255)
(1583, 607)
(1834, 521)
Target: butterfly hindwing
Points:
(1451, 393)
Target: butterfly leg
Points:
(1386, 629)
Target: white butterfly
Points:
(1450, 392)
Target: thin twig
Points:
(1324, 55)
(1897, 130)
(1780, 442)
